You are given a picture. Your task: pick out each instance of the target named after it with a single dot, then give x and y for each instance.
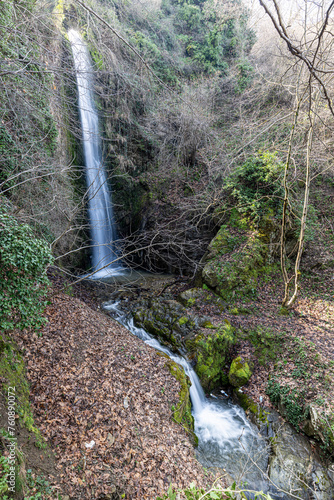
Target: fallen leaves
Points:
(98, 400)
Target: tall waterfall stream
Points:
(100, 209)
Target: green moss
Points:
(183, 320)
(12, 371)
(250, 406)
(208, 324)
(211, 353)
(239, 373)
(182, 412)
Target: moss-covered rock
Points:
(169, 321)
(233, 261)
(239, 373)
(257, 413)
(165, 319)
(182, 411)
(189, 298)
(211, 354)
(196, 297)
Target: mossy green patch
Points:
(239, 373)
(182, 412)
(250, 406)
(233, 262)
(197, 297)
(183, 320)
(211, 352)
(208, 324)
(12, 371)
(268, 343)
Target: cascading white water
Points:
(226, 438)
(100, 209)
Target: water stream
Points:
(100, 209)
(226, 437)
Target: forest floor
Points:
(103, 401)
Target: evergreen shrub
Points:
(23, 281)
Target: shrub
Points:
(23, 281)
(255, 186)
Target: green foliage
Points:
(153, 54)
(268, 343)
(4, 471)
(255, 187)
(38, 487)
(209, 40)
(245, 74)
(23, 281)
(214, 493)
(13, 374)
(291, 399)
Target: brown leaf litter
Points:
(102, 399)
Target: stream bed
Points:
(227, 440)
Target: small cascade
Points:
(100, 209)
(226, 438)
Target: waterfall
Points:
(226, 439)
(100, 209)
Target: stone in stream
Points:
(169, 321)
(183, 331)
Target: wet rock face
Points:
(295, 468)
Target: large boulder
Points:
(169, 321)
(233, 260)
(208, 345)
(210, 351)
